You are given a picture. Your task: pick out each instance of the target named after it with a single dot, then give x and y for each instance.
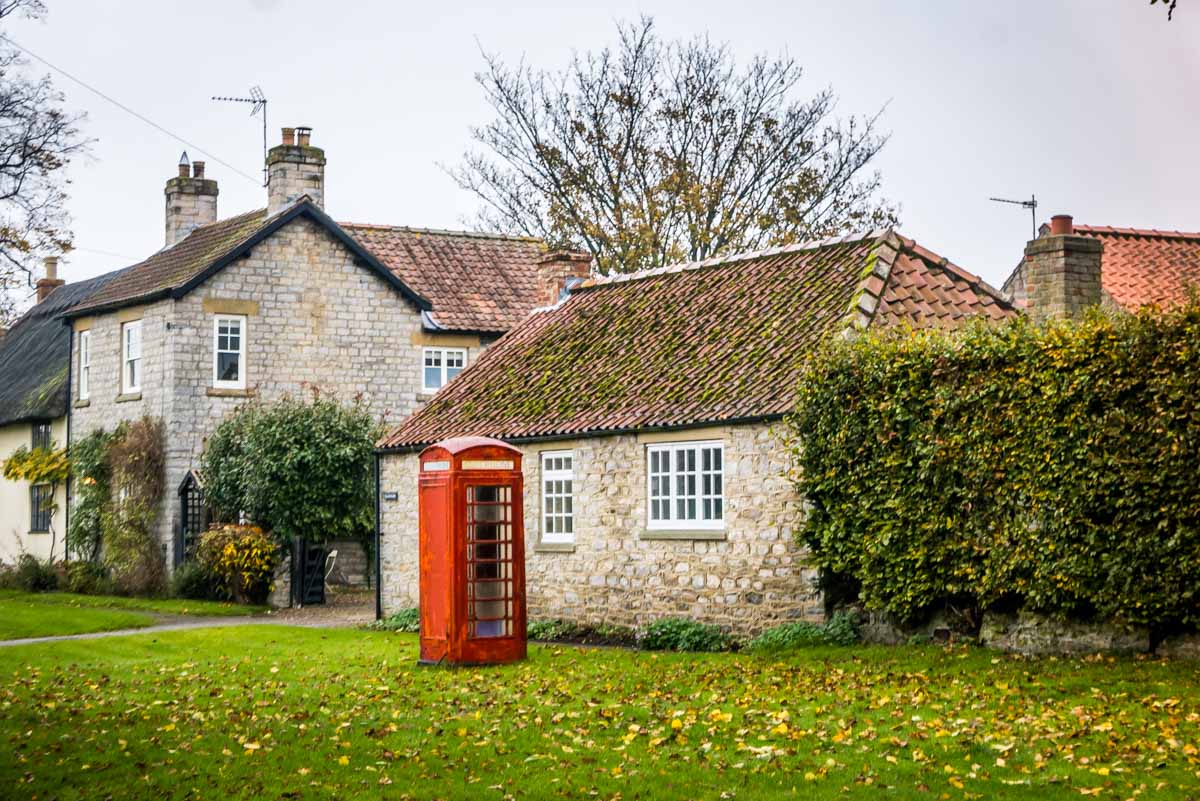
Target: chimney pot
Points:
(303, 134)
(51, 265)
(51, 281)
(289, 136)
(183, 170)
(1062, 225)
(197, 169)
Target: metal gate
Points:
(308, 573)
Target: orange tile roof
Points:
(716, 341)
(1143, 267)
(476, 282)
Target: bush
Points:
(1050, 467)
(33, 575)
(677, 634)
(299, 469)
(243, 560)
(841, 630)
(551, 630)
(88, 578)
(193, 581)
(91, 478)
(133, 555)
(406, 620)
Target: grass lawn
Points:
(276, 712)
(26, 616)
(164, 606)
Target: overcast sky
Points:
(1090, 104)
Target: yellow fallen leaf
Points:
(343, 760)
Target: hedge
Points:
(1053, 467)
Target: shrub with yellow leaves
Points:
(242, 558)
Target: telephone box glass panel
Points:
(489, 561)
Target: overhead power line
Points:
(128, 110)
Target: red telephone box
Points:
(472, 552)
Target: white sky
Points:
(1090, 104)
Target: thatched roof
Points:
(34, 356)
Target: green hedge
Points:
(1052, 467)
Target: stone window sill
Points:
(131, 396)
(82, 404)
(554, 547)
(37, 533)
(683, 534)
(220, 392)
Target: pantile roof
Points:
(34, 356)
(709, 342)
(476, 282)
(1143, 267)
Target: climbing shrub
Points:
(1046, 466)
(132, 552)
(40, 466)
(298, 468)
(91, 486)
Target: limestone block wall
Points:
(751, 576)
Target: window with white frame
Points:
(85, 365)
(685, 486)
(131, 357)
(229, 351)
(440, 365)
(558, 505)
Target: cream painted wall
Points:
(15, 537)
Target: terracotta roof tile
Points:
(698, 343)
(1143, 267)
(476, 282)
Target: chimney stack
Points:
(51, 281)
(191, 200)
(295, 168)
(556, 270)
(1062, 271)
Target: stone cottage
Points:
(647, 408)
(280, 299)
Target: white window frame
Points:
(558, 500)
(442, 354)
(674, 521)
(85, 365)
(240, 319)
(127, 386)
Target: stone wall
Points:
(748, 577)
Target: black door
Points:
(308, 573)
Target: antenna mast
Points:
(258, 103)
(1030, 204)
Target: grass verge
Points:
(277, 712)
(162, 606)
(21, 618)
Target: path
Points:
(344, 610)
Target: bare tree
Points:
(37, 140)
(1170, 4)
(653, 152)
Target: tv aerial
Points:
(1030, 204)
(258, 102)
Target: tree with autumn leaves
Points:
(654, 152)
(38, 139)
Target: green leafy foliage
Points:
(678, 634)
(91, 485)
(582, 633)
(195, 582)
(241, 559)
(841, 630)
(407, 621)
(29, 574)
(1046, 466)
(297, 468)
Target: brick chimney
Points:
(1062, 271)
(295, 168)
(191, 200)
(555, 269)
(51, 281)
